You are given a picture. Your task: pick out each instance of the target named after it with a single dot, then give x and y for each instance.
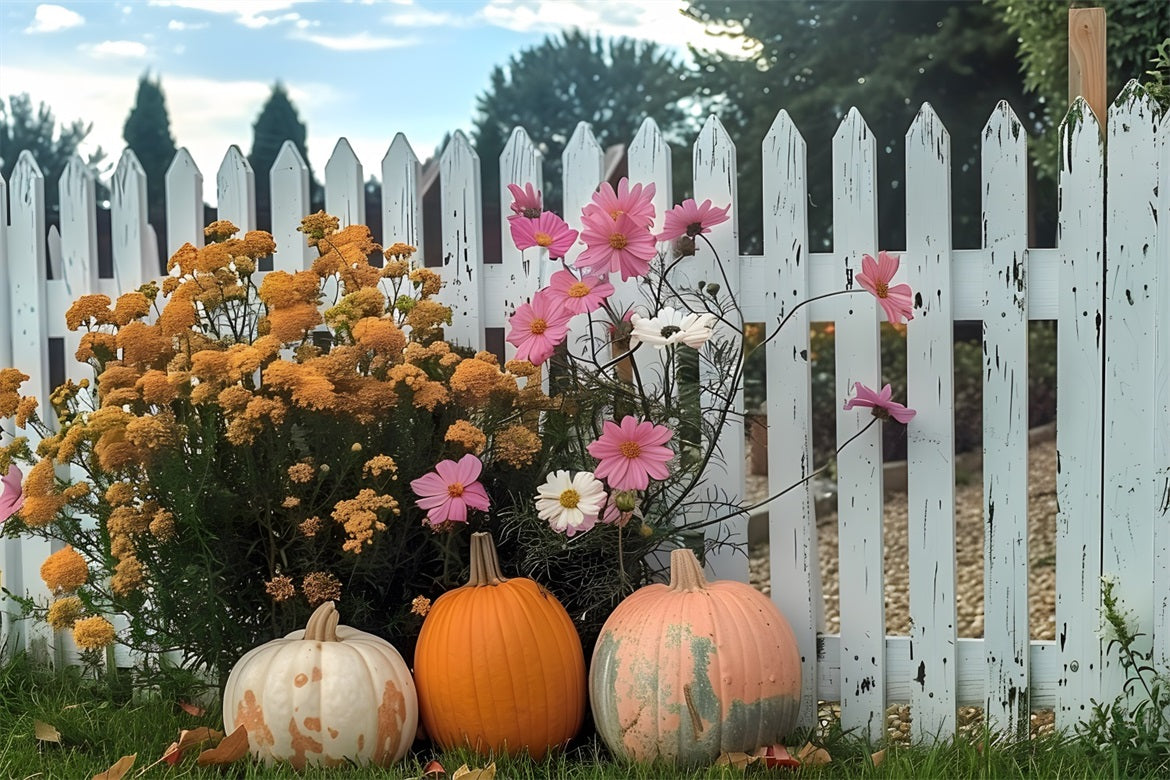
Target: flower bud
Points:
(625, 500)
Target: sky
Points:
(362, 69)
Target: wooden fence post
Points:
(1086, 58)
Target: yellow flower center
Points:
(630, 449)
(618, 241)
(615, 214)
(570, 498)
(543, 239)
(578, 290)
(455, 489)
(538, 326)
(883, 290)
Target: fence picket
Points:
(289, 184)
(345, 187)
(1161, 627)
(462, 272)
(184, 188)
(583, 165)
(520, 163)
(715, 178)
(235, 185)
(1005, 420)
(135, 256)
(78, 252)
(859, 485)
(1131, 235)
(931, 439)
(401, 196)
(794, 561)
(1081, 239)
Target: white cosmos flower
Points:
(672, 326)
(570, 502)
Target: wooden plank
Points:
(716, 179)
(78, 254)
(11, 567)
(459, 191)
(288, 182)
(133, 263)
(1086, 57)
(931, 439)
(971, 682)
(345, 186)
(1161, 628)
(794, 562)
(235, 186)
(520, 163)
(184, 188)
(1131, 235)
(1079, 411)
(402, 215)
(859, 466)
(1005, 421)
(581, 163)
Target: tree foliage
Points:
(24, 128)
(147, 133)
(549, 88)
(1134, 30)
(818, 59)
(277, 122)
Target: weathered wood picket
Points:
(1106, 284)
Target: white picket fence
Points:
(1107, 284)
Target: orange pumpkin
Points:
(686, 671)
(328, 695)
(499, 665)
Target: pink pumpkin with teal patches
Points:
(686, 671)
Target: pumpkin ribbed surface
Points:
(684, 672)
(328, 701)
(498, 665)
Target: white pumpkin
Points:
(326, 695)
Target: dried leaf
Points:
(45, 732)
(775, 756)
(191, 709)
(484, 773)
(736, 760)
(118, 770)
(232, 748)
(189, 738)
(434, 769)
(878, 757)
(811, 755)
(172, 755)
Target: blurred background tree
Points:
(278, 122)
(147, 133)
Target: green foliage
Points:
(23, 128)
(1133, 733)
(547, 89)
(816, 60)
(278, 122)
(1135, 29)
(147, 133)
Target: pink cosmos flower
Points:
(538, 327)
(525, 202)
(578, 296)
(637, 202)
(613, 245)
(883, 407)
(13, 497)
(691, 219)
(631, 453)
(450, 490)
(548, 231)
(875, 276)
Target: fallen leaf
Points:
(736, 760)
(70, 707)
(811, 755)
(118, 770)
(191, 709)
(189, 738)
(232, 748)
(45, 732)
(878, 757)
(484, 773)
(172, 755)
(775, 756)
(434, 769)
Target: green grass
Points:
(99, 724)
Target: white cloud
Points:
(177, 26)
(123, 49)
(253, 14)
(420, 17)
(51, 18)
(362, 41)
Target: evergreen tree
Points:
(147, 133)
(278, 122)
(23, 128)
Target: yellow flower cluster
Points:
(280, 588)
(359, 515)
(64, 612)
(93, 633)
(64, 570)
(319, 587)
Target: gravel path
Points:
(969, 565)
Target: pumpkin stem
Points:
(686, 573)
(322, 625)
(485, 563)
